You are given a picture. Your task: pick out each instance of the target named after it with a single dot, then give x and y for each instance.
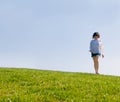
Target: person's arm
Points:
(90, 46)
(102, 50)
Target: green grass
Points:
(28, 85)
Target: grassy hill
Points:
(28, 85)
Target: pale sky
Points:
(55, 34)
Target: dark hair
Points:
(96, 34)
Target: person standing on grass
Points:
(96, 50)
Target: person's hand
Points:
(103, 56)
(90, 51)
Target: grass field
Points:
(28, 85)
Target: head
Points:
(96, 35)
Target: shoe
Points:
(97, 73)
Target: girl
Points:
(96, 50)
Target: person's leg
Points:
(96, 64)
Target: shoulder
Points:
(99, 41)
(92, 41)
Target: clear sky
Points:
(55, 34)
